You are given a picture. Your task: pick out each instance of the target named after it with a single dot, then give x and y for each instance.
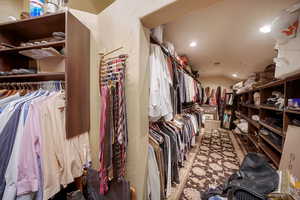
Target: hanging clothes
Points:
(160, 104)
(36, 162)
(171, 141)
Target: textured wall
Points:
(216, 81)
(119, 25)
(10, 8)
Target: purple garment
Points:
(29, 165)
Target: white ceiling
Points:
(227, 32)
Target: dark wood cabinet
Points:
(76, 63)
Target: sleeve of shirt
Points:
(27, 166)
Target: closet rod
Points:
(154, 41)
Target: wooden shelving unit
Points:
(252, 106)
(270, 108)
(290, 88)
(76, 61)
(38, 76)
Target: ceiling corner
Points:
(92, 6)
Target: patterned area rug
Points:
(215, 161)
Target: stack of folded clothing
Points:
(242, 126)
(295, 122)
(248, 84)
(255, 117)
(276, 100)
(275, 139)
(18, 72)
(58, 36)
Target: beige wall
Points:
(216, 81)
(119, 25)
(10, 8)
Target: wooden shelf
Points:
(254, 123)
(38, 76)
(49, 44)
(253, 106)
(270, 108)
(278, 132)
(293, 111)
(272, 84)
(34, 28)
(275, 158)
(253, 141)
(21, 21)
(265, 138)
(249, 91)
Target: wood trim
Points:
(77, 76)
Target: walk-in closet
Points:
(242, 61)
(149, 100)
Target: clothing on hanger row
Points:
(170, 86)
(169, 144)
(37, 160)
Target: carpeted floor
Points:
(215, 161)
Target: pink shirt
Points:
(28, 171)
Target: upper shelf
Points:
(34, 28)
(39, 76)
(272, 84)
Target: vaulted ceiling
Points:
(227, 32)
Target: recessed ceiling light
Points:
(193, 44)
(234, 75)
(265, 29)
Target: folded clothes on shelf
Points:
(276, 100)
(295, 122)
(18, 72)
(243, 126)
(255, 117)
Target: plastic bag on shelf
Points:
(285, 26)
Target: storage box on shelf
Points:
(74, 65)
(271, 117)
